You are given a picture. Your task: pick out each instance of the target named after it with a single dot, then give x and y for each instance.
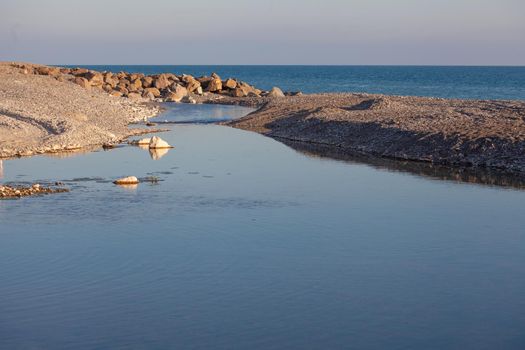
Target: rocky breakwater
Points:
(458, 133)
(166, 87)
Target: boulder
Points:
(122, 90)
(42, 70)
(187, 78)
(110, 79)
(136, 76)
(198, 91)
(82, 82)
(178, 94)
(158, 143)
(214, 85)
(230, 84)
(94, 78)
(161, 82)
(204, 81)
(135, 85)
(107, 88)
(215, 76)
(154, 91)
(193, 85)
(148, 95)
(79, 71)
(116, 93)
(147, 82)
(124, 82)
(247, 90)
(275, 92)
(238, 92)
(172, 77)
(134, 96)
(130, 180)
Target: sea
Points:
(465, 82)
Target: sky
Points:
(324, 32)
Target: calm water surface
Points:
(246, 243)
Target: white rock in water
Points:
(130, 180)
(156, 143)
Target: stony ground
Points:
(40, 114)
(451, 132)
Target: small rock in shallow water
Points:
(157, 143)
(130, 180)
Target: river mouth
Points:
(244, 240)
(182, 113)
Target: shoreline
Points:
(456, 133)
(51, 109)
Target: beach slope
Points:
(40, 114)
(487, 134)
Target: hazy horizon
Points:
(285, 32)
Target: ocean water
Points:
(503, 83)
(247, 243)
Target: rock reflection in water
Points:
(490, 177)
(155, 153)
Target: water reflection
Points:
(490, 177)
(156, 154)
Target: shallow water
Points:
(247, 243)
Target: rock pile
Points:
(161, 87)
(21, 191)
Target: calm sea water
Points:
(247, 243)
(449, 82)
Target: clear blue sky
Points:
(464, 32)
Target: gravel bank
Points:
(466, 133)
(39, 114)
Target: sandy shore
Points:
(40, 114)
(484, 134)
